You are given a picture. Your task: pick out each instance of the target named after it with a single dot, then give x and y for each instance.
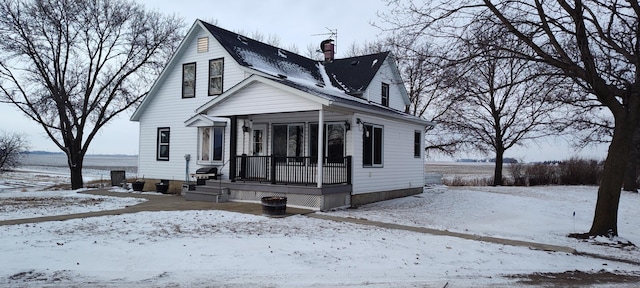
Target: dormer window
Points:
(216, 71)
(385, 95)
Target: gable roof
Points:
(354, 74)
(339, 81)
(264, 57)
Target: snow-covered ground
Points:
(224, 249)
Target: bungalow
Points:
(265, 121)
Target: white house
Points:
(274, 123)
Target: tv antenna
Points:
(333, 35)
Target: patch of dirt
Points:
(8, 205)
(577, 278)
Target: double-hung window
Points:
(372, 145)
(162, 144)
(211, 144)
(288, 141)
(385, 95)
(189, 80)
(216, 70)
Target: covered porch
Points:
(303, 156)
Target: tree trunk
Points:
(631, 174)
(605, 220)
(75, 160)
(497, 174)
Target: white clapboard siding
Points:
(260, 98)
(401, 169)
(374, 91)
(166, 108)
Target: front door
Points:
(257, 166)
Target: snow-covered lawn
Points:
(18, 205)
(224, 249)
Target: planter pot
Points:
(162, 188)
(274, 205)
(137, 186)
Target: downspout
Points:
(320, 146)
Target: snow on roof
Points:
(337, 81)
(260, 62)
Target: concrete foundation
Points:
(366, 198)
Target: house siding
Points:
(385, 75)
(169, 109)
(260, 98)
(400, 170)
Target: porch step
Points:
(208, 193)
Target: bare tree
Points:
(422, 69)
(72, 66)
(594, 42)
(503, 102)
(12, 145)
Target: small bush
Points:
(541, 174)
(578, 171)
(518, 173)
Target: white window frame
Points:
(212, 141)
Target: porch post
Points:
(320, 146)
(233, 147)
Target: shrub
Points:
(541, 174)
(518, 174)
(578, 171)
(12, 145)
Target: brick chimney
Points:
(328, 49)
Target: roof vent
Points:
(282, 76)
(243, 40)
(328, 49)
(282, 53)
(355, 62)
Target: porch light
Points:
(347, 125)
(245, 128)
(359, 123)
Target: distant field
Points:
(450, 170)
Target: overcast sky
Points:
(295, 23)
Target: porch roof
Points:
(201, 120)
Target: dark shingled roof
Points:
(354, 74)
(351, 75)
(255, 54)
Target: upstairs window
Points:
(216, 69)
(372, 145)
(417, 144)
(162, 144)
(189, 80)
(385, 95)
